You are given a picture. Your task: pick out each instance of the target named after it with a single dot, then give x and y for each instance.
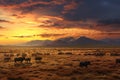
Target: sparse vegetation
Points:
(42, 64)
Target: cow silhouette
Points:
(84, 64)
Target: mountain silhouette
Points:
(38, 43)
(112, 41)
(87, 41)
(69, 42)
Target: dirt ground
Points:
(54, 66)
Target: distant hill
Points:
(79, 42)
(72, 42)
(38, 43)
(84, 41)
(112, 41)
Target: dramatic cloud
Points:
(69, 9)
(110, 33)
(64, 24)
(46, 19)
(22, 36)
(110, 22)
(90, 25)
(95, 9)
(51, 35)
(40, 35)
(5, 21)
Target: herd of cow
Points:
(20, 59)
(38, 58)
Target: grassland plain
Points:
(59, 64)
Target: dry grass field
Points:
(58, 64)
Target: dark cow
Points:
(117, 61)
(84, 64)
(19, 59)
(28, 60)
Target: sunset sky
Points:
(26, 20)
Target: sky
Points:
(26, 20)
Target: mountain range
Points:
(73, 42)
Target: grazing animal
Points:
(19, 59)
(7, 59)
(84, 63)
(117, 61)
(38, 58)
(28, 60)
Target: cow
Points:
(27, 60)
(19, 59)
(84, 64)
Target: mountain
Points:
(84, 41)
(112, 41)
(79, 42)
(38, 43)
(68, 42)
(72, 42)
(63, 42)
